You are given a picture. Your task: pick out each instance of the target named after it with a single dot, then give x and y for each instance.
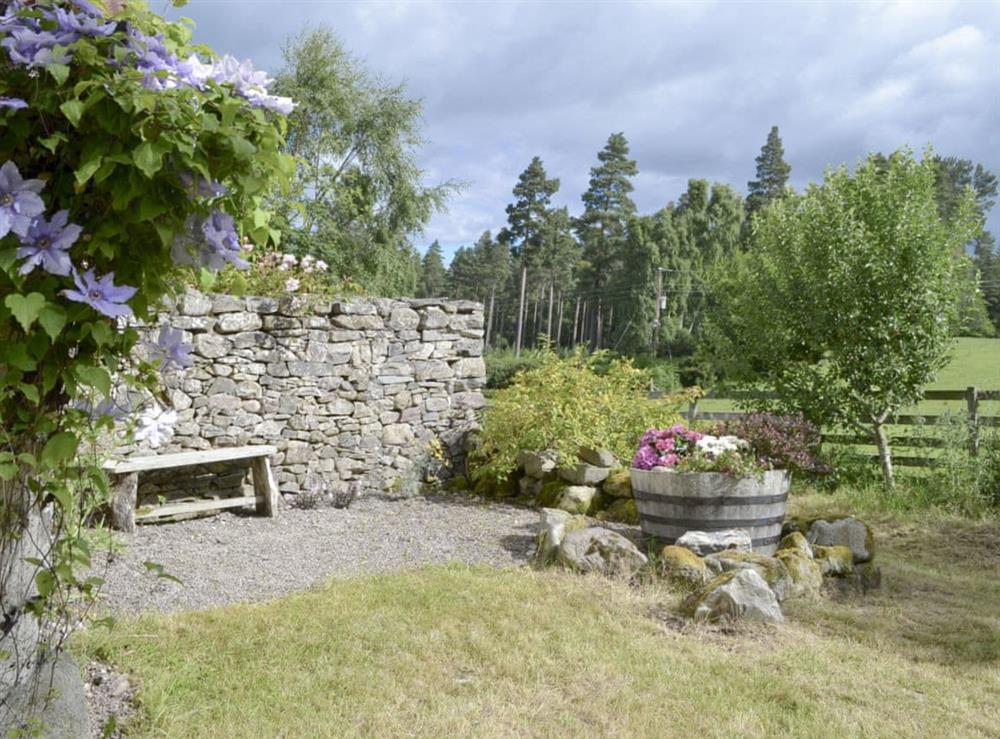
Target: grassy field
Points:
(458, 651)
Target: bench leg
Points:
(123, 493)
(264, 487)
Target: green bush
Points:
(662, 371)
(564, 404)
(503, 364)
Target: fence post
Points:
(692, 410)
(972, 403)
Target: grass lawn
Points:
(459, 651)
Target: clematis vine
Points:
(13, 103)
(101, 294)
(155, 425)
(210, 242)
(47, 243)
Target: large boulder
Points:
(537, 464)
(576, 498)
(618, 484)
(772, 569)
(551, 492)
(553, 525)
(807, 578)
(597, 457)
(848, 532)
(621, 510)
(737, 595)
(709, 542)
(582, 473)
(600, 550)
(682, 566)
(835, 560)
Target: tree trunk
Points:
(520, 311)
(559, 324)
(548, 327)
(884, 453)
(576, 319)
(489, 318)
(599, 325)
(534, 322)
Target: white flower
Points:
(247, 246)
(322, 266)
(291, 284)
(289, 259)
(307, 260)
(155, 425)
(284, 267)
(716, 445)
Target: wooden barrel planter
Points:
(672, 503)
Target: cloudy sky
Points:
(695, 86)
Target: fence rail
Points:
(972, 396)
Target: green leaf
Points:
(102, 333)
(59, 72)
(87, 169)
(73, 110)
(52, 142)
(52, 318)
(16, 355)
(30, 392)
(95, 377)
(45, 582)
(148, 158)
(261, 218)
(25, 308)
(241, 147)
(59, 448)
(206, 279)
(7, 471)
(63, 496)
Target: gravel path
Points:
(234, 557)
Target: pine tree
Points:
(772, 174)
(433, 275)
(602, 227)
(636, 282)
(526, 218)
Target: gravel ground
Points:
(235, 557)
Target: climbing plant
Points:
(127, 154)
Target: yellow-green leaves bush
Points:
(580, 400)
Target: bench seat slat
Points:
(187, 459)
(196, 506)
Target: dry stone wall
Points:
(373, 390)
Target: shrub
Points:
(662, 372)
(503, 364)
(780, 442)
(564, 404)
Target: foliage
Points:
(565, 404)
(965, 484)
(276, 274)
(502, 365)
(842, 305)
(772, 174)
(779, 442)
(130, 153)
(433, 281)
(662, 372)
(357, 192)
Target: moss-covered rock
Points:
(550, 493)
(796, 541)
(849, 532)
(621, 510)
(682, 566)
(835, 560)
(864, 578)
(794, 524)
(735, 595)
(807, 578)
(600, 550)
(772, 569)
(577, 498)
(553, 526)
(618, 484)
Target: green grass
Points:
(460, 651)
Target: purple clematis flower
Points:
(84, 25)
(197, 186)
(13, 103)
(210, 242)
(19, 201)
(31, 48)
(170, 349)
(101, 294)
(47, 244)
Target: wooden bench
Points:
(125, 484)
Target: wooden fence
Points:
(972, 396)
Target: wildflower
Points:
(19, 201)
(170, 349)
(322, 266)
(101, 294)
(155, 425)
(291, 284)
(47, 243)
